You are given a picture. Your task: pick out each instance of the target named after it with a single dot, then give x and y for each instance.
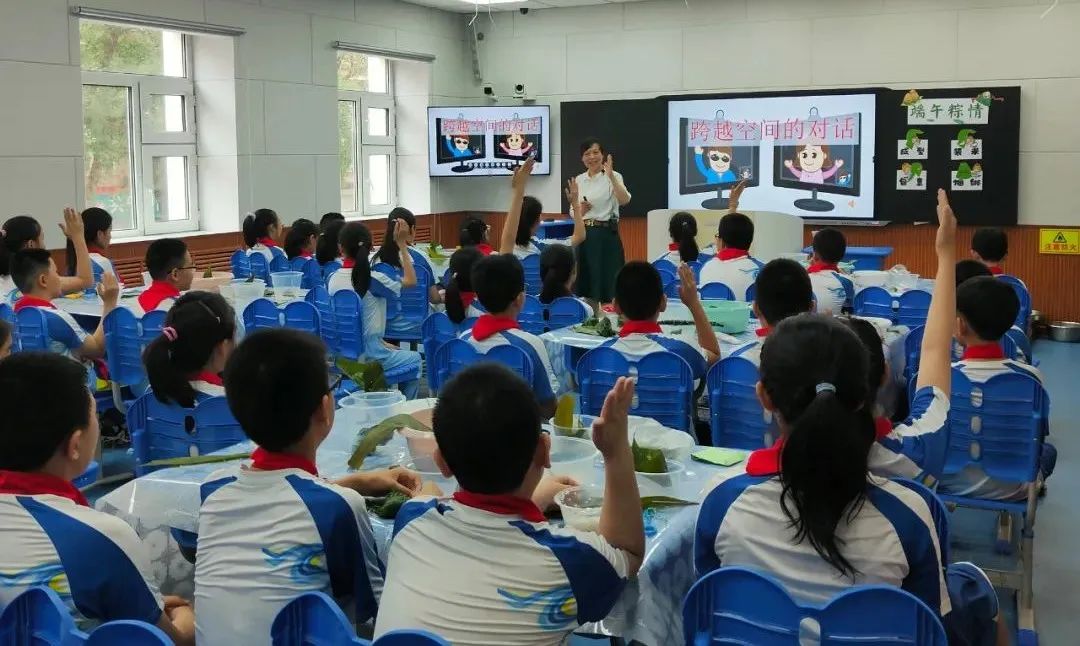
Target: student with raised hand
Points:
(275, 530)
(184, 364)
(808, 512)
(24, 232)
(171, 270)
(485, 566)
(261, 230)
(51, 534)
(97, 231)
(300, 240)
(460, 295)
(523, 216)
(832, 289)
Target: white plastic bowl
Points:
(581, 507)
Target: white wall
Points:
(663, 46)
(285, 80)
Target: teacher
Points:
(600, 256)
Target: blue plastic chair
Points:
(531, 318)
(320, 298)
(531, 265)
(665, 385)
(876, 301)
(736, 417)
(1025, 300)
(566, 312)
(716, 292)
(32, 328)
(160, 431)
(457, 354)
(437, 330)
(241, 266)
(914, 307)
(259, 267)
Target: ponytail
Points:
(257, 225)
(814, 369)
(683, 231)
(389, 251)
(326, 247)
(95, 221)
(355, 241)
(299, 233)
(556, 267)
(194, 327)
(15, 235)
(461, 264)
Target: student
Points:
(832, 289)
(6, 339)
(639, 297)
(184, 364)
(459, 297)
(523, 216)
(682, 227)
(558, 272)
(276, 530)
(474, 233)
(783, 291)
(809, 514)
(24, 232)
(51, 537)
(300, 240)
(986, 309)
(36, 277)
(398, 260)
(990, 246)
(326, 247)
(485, 567)
(499, 282)
(733, 265)
(329, 218)
(375, 289)
(172, 271)
(261, 232)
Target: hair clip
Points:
(169, 333)
(825, 387)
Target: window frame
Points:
(365, 144)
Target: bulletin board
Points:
(966, 140)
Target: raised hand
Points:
(946, 233)
(521, 174)
(610, 429)
(72, 226)
(609, 166)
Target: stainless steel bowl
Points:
(1067, 331)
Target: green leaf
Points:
(198, 459)
(657, 502)
(369, 439)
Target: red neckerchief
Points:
(36, 484)
(502, 504)
(882, 427)
(488, 325)
(765, 462)
(32, 301)
(348, 263)
(264, 460)
(95, 249)
(485, 249)
(268, 242)
(983, 351)
(305, 254)
(674, 246)
(158, 291)
(209, 378)
(639, 327)
(763, 331)
(467, 299)
(822, 266)
(995, 270)
(732, 254)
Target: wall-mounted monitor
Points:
(469, 141)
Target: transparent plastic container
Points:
(286, 284)
(581, 507)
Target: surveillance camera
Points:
(524, 11)
(489, 90)
(519, 90)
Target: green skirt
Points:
(600, 257)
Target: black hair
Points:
(473, 232)
(18, 231)
(257, 225)
(638, 290)
(461, 266)
(326, 247)
(95, 220)
(201, 320)
(969, 268)
(31, 435)
(988, 305)
(830, 245)
(298, 235)
(355, 241)
(27, 265)
(736, 231)
(531, 208)
(5, 332)
(498, 279)
(328, 218)
(814, 370)
(487, 426)
(556, 265)
(682, 227)
(783, 290)
(163, 256)
(389, 252)
(875, 355)
(589, 142)
(275, 380)
(992, 244)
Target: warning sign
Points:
(1065, 241)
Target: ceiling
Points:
(468, 7)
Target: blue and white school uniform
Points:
(94, 561)
(545, 384)
(832, 290)
(65, 334)
(738, 272)
(381, 290)
(904, 450)
(634, 345)
(491, 570)
(266, 537)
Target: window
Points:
(366, 134)
(139, 127)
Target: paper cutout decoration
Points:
(911, 177)
(967, 177)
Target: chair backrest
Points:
(531, 318)
(349, 320)
(565, 312)
(734, 605)
(33, 329)
(259, 267)
(716, 292)
(241, 266)
(914, 307)
(1016, 345)
(737, 419)
(36, 617)
(531, 265)
(129, 633)
(124, 343)
(160, 430)
(875, 301)
(1022, 293)
(436, 330)
(261, 314)
(665, 384)
(879, 614)
(320, 298)
(996, 426)
(310, 619)
(303, 316)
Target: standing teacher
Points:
(602, 192)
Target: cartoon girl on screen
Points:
(458, 145)
(718, 170)
(812, 163)
(515, 144)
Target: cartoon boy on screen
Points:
(515, 144)
(718, 170)
(458, 145)
(812, 163)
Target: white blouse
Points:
(600, 193)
